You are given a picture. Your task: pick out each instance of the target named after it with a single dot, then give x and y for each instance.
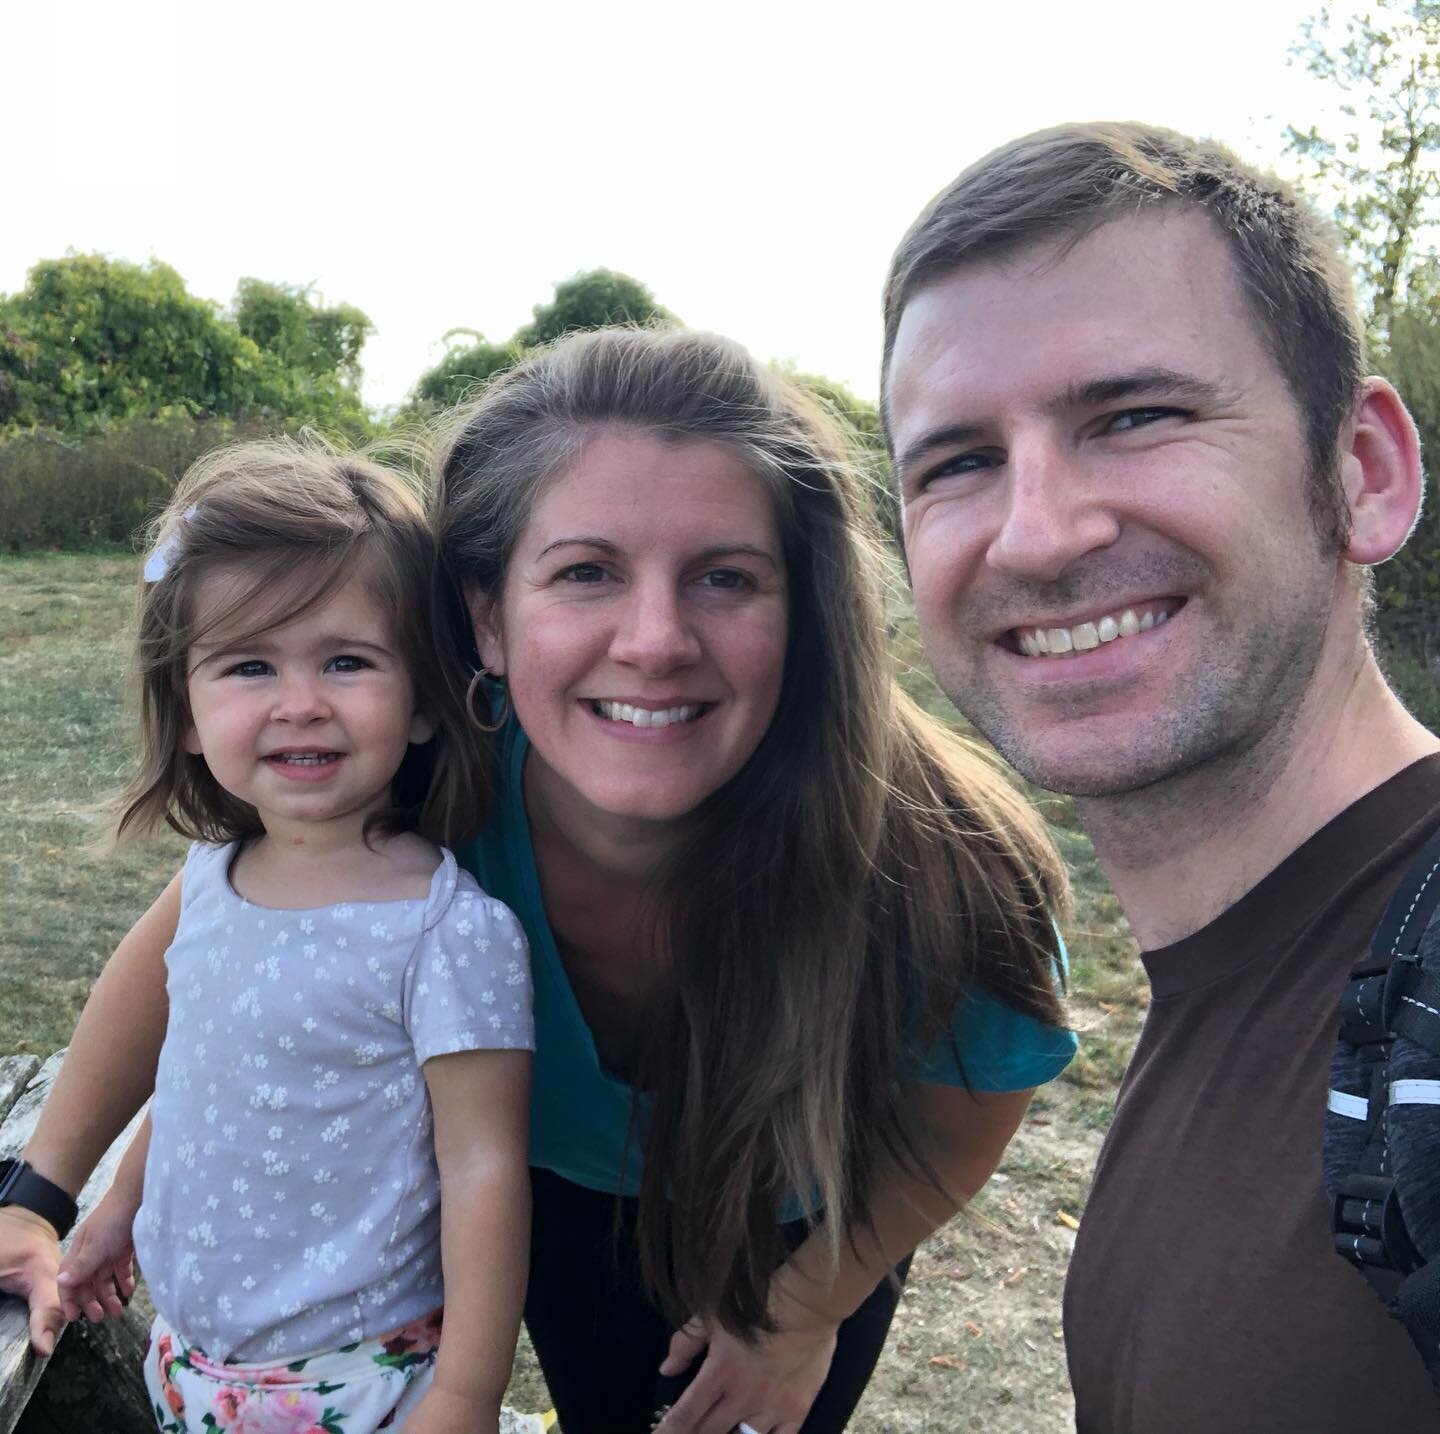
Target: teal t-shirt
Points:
(580, 1114)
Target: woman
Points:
(760, 887)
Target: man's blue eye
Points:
(1134, 418)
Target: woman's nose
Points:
(654, 632)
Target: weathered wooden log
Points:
(97, 1370)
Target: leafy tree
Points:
(591, 300)
(1381, 171)
(463, 370)
(91, 341)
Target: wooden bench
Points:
(95, 1380)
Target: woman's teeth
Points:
(645, 716)
(304, 759)
(1057, 641)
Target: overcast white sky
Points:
(443, 165)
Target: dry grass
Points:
(976, 1345)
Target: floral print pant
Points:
(356, 1390)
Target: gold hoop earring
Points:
(481, 673)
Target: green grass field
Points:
(976, 1345)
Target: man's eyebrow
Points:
(1144, 382)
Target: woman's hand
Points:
(97, 1275)
(768, 1385)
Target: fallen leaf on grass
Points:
(1107, 1007)
(946, 1361)
(1067, 1219)
(1015, 1276)
(1039, 1120)
(973, 1329)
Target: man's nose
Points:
(300, 698)
(1056, 510)
(654, 633)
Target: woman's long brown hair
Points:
(839, 897)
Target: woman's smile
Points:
(642, 626)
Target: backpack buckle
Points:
(1369, 1229)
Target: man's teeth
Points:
(645, 716)
(1056, 641)
(304, 759)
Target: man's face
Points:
(1102, 475)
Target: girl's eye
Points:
(252, 667)
(582, 573)
(1133, 418)
(347, 663)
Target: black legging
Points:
(600, 1341)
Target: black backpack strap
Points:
(1394, 992)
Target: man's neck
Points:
(1180, 852)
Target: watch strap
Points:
(22, 1185)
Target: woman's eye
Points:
(726, 579)
(582, 573)
(1133, 418)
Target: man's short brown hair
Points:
(1058, 185)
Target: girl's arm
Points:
(481, 1104)
(108, 1072)
(772, 1382)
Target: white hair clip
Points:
(158, 563)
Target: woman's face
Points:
(642, 626)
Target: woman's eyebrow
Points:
(716, 550)
(604, 544)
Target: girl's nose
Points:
(301, 698)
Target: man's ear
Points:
(484, 623)
(1380, 473)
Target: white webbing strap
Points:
(1413, 1092)
(1355, 1106)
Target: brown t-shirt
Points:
(1204, 1294)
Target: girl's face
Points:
(642, 626)
(309, 721)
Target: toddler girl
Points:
(342, 1095)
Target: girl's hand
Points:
(29, 1258)
(769, 1385)
(97, 1275)
(442, 1411)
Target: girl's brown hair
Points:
(296, 519)
(840, 896)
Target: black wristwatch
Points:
(22, 1186)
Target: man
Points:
(1142, 477)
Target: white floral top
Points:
(291, 1195)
